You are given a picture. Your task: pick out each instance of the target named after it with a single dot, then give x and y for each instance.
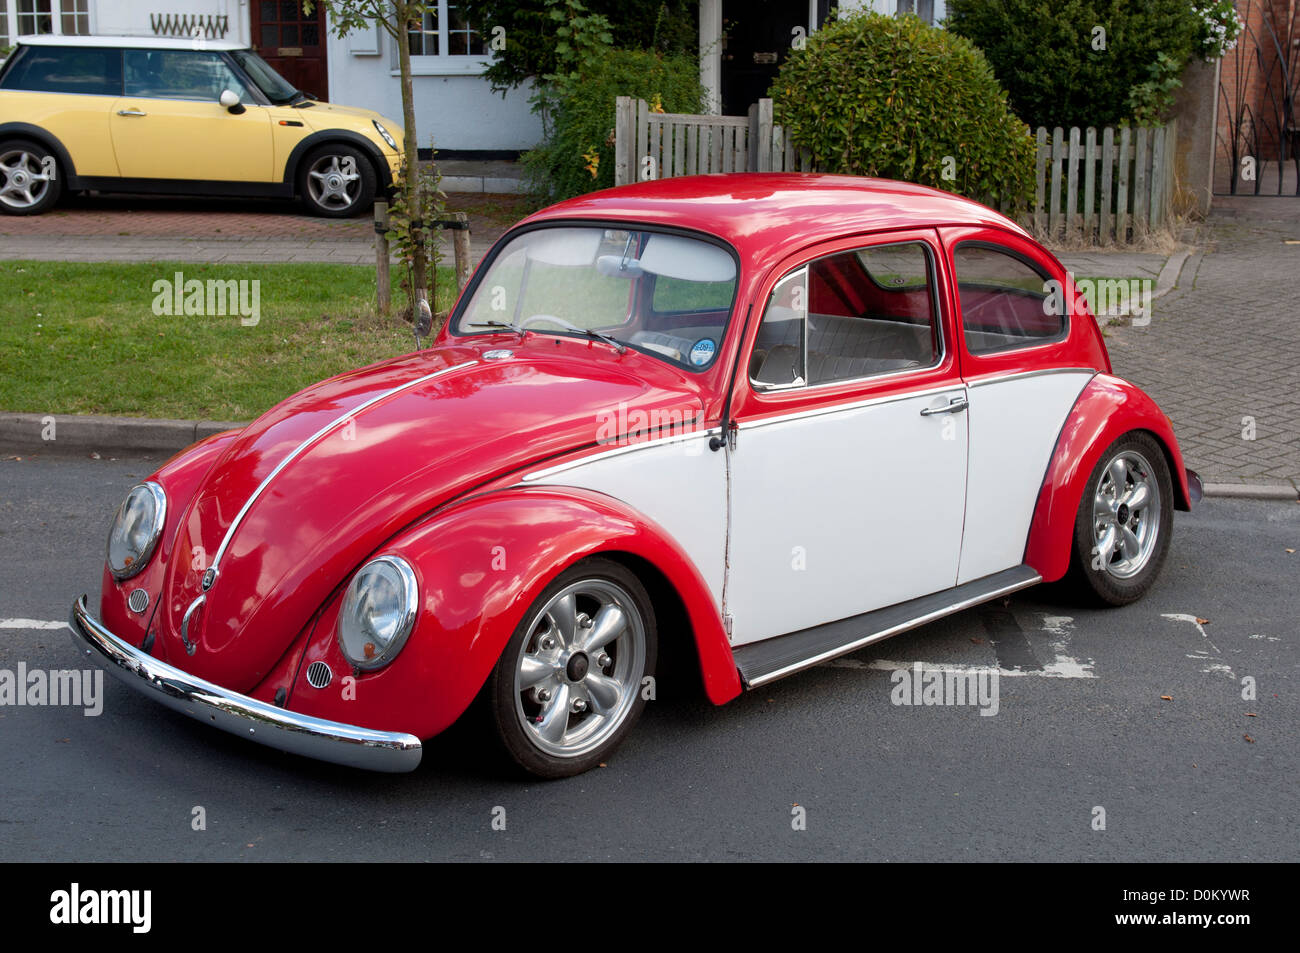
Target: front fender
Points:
(480, 565)
(1108, 408)
(180, 478)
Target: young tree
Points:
(397, 18)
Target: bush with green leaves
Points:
(577, 102)
(894, 97)
(1083, 62)
(529, 40)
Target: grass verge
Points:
(84, 338)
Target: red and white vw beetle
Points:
(779, 417)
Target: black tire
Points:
(34, 170)
(335, 172)
(1115, 578)
(514, 708)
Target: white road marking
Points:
(1054, 670)
(1064, 665)
(1213, 665)
(31, 624)
(1267, 638)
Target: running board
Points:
(770, 659)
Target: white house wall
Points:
(457, 111)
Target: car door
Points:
(848, 467)
(1022, 379)
(169, 123)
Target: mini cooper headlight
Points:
(378, 612)
(136, 528)
(385, 135)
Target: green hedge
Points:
(1082, 62)
(580, 122)
(894, 97)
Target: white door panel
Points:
(1014, 424)
(844, 512)
(679, 483)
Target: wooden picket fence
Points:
(654, 145)
(1108, 186)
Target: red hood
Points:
(362, 480)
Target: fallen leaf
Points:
(1290, 550)
(1249, 738)
(977, 641)
(1200, 621)
(602, 764)
(1251, 714)
(1166, 698)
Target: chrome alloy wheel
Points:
(334, 184)
(1125, 515)
(25, 180)
(580, 668)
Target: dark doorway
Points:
(757, 37)
(292, 42)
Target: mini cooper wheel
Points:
(29, 178)
(337, 181)
(568, 686)
(1125, 519)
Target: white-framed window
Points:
(76, 18)
(4, 25)
(447, 41)
(36, 17)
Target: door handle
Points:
(955, 406)
(131, 112)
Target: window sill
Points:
(445, 66)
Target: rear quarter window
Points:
(1004, 300)
(59, 69)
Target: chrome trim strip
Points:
(1042, 372)
(853, 405)
(391, 751)
(615, 452)
(214, 569)
(883, 634)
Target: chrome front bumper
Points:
(238, 714)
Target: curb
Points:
(1167, 280)
(105, 434)
(125, 434)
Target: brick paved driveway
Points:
(1222, 352)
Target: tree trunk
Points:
(414, 200)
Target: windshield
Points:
(276, 88)
(665, 295)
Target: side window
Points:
(180, 74)
(55, 69)
(848, 316)
(1003, 300)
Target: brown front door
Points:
(293, 43)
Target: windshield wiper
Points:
(522, 332)
(611, 341)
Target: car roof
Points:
(132, 42)
(771, 212)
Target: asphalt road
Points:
(1080, 725)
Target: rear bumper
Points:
(238, 714)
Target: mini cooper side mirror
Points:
(230, 100)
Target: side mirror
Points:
(230, 100)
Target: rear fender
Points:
(1108, 408)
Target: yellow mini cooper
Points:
(179, 117)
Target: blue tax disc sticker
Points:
(702, 352)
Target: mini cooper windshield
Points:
(668, 295)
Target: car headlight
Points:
(378, 612)
(384, 133)
(136, 528)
